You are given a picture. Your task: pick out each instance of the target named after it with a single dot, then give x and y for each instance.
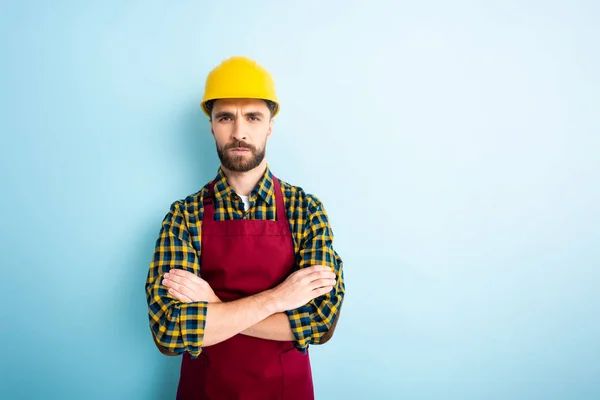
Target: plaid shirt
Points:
(178, 326)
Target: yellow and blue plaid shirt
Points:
(178, 326)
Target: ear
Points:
(270, 127)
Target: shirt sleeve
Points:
(312, 321)
(177, 326)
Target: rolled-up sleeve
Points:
(311, 322)
(178, 327)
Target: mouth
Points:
(238, 150)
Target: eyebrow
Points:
(222, 114)
(254, 114)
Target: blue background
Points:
(455, 146)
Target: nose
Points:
(238, 130)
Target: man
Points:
(244, 277)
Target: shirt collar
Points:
(263, 188)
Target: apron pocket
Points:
(297, 376)
(192, 380)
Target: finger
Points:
(177, 281)
(179, 296)
(321, 268)
(186, 275)
(184, 282)
(327, 275)
(313, 269)
(172, 284)
(179, 275)
(322, 275)
(189, 293)
(174, 278)
(169, 283)
(318, 280)
(321, 291)
(319, 283)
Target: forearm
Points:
(224, 320)
(275, 327)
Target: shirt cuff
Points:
(303, 327)
(192, 321)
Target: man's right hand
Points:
(302, 286)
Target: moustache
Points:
(238, 145)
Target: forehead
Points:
(240, 104)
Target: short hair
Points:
(271, 105)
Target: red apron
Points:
(241, 258)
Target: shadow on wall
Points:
(197, 163)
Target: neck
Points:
(243, 182)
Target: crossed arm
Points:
(188, 287)
(274, 327)
(185, 315)
(225, 320)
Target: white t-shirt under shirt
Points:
(246, 201)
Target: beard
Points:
(242, 163)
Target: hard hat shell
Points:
(239, 77)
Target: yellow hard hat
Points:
(239, 78)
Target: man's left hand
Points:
(188, 287)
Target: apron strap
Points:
(281, 213)
(209, 208)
